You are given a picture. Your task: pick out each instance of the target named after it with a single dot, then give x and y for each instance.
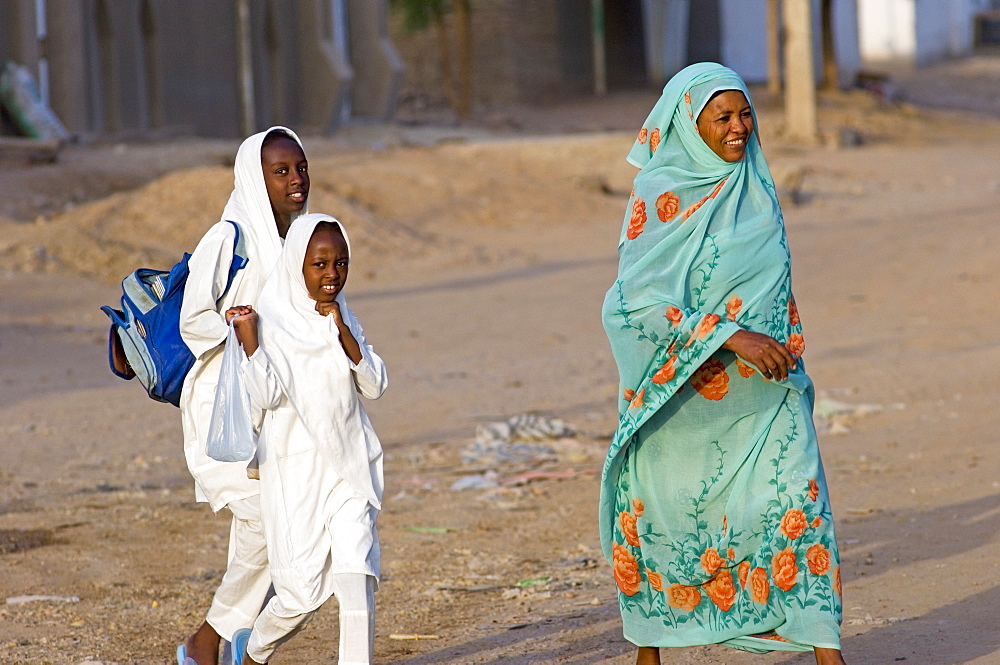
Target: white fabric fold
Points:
(305, 356)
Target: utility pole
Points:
(248, 120)
(774, 49)
(597, 46)
(801, 124)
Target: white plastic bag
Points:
(230, 436)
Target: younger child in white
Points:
(320, 462)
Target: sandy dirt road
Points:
(480, 269)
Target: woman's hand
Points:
(246, 331)
(347, 341)
(239, 310)
(327, 308)
(763, 352)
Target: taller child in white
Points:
(320, 460)
(271, 190)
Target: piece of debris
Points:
(21, 600)
(413, 636)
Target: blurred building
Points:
(533, 51)
(918, 32)
(135, 66)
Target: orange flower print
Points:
(654, 139)
(675, 315)
(711, 380)
(731, 553)
(638, 219)
(760, 587)
(637, 402)
(718, 188)
(784, 569)
(683, 597)
(667, 206)
(773, 638)
(733, 307)
(746, 371)
(836, 582)
(626, 570)
(721, 589)
(687, 100)
(793, 312)
(706, 325)
(643, 133)
(692, 209)
(796, 345)
(818, 559)
(627, 522)
(725, 525)
(744, 570)
(816, 522)
(628, 394)
(638, 507)
(655, 580)
(711, 561)
(665, 373)
(813, 489)
(794, 523)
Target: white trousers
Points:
(356, 595)
(244, 587)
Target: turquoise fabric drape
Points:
(714, 511)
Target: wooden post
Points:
(463, 53)
(774, 49)
(248, 114)
(597, 43)
(801, 123)
(831, 72)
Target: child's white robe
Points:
(203, 325)
(320, 461)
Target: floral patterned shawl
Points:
(702, 254)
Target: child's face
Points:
(325, 265)
(286, 176)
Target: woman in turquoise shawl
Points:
(714, 509)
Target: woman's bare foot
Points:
(828, 656)
(648, 656)
(203, 646)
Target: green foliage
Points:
(419, 14)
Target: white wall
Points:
(918, 32)
(744, 38)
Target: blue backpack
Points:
(145, 336)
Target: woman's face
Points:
(325, 265)
(725, 124)
(286, 177)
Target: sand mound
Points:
(398, 205)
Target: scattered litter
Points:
(869, 620)
(525, 437)
(432, 529)
(836, 417)
(528, 476)
(20, 600)
(533, 581)
(413, 636)
(479, 481)
(475, 588)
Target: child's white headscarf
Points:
(303, 348)
(250, 207)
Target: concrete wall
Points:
(744, 38)
(132, 66)
(916, 32)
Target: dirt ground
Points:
(482, 256)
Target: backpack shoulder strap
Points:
(240, 259)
